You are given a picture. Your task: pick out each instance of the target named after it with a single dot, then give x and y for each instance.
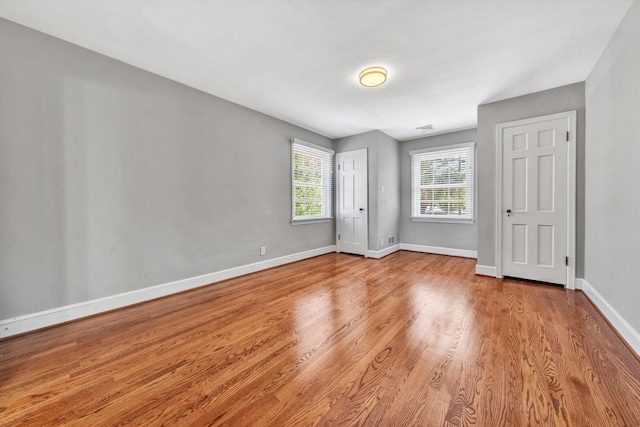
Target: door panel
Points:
(351, 207)
(545, 245)
(519, 249)
(546, 183)
(520, 186)
(534, 192)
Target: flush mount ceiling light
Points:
(373, 76)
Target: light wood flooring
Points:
(412, 339)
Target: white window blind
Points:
(442, 182)
(312, 181)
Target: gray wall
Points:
(114, 179)
(388, 190)
(455, 236)
(383, 170)
(565, 98)
(612, 217)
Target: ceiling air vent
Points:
(426, 128)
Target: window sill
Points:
(449, 220)
(310, 221)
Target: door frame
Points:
(570, 116)
(366, 196)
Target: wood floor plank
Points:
(411, 339)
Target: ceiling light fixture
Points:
(373, 76)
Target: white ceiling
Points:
(299, 60)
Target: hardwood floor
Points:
(408, 340)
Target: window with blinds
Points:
(442, 183)
(312, 181)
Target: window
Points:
(312, 181)
(442, 183)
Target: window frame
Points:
(327, 158)
(416, 156)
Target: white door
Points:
(351, 206)
(534, 199)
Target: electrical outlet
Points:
(382, 241)
(391, 239)
(263, 250)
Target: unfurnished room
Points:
(319, 213)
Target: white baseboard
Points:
(384, 252)
(438, 250)
(579, 284)
(43, 319)
(486, 270)
(630, 335)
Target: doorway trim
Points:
(570, 116)
(338, 193)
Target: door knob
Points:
(361, 210)
(508, 212)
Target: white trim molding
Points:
(383, 252)
(43, 319)
(624, 328)
(485, 270)
(438, 250)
